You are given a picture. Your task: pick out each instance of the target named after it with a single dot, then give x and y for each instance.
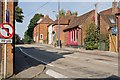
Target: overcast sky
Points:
(31, 8)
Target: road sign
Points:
(6, 30)
(5, 40)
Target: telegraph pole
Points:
(59, 44)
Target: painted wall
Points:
(50, 35)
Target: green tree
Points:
(28, 35)
(91, 40)
(74, 13)
(18, 14)
(61, 13)
(17, 38)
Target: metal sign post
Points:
(5, 46)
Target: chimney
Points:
(46, 16)
(68, 13)
(114, 7)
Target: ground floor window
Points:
(41, 36)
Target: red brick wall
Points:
(103, 27)
(84, 27)
(44, 31)
(63, 35)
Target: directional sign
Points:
(6, 30)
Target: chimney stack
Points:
(114, 7)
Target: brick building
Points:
(64, 22)
(11, 8)
(76, 30)
(108, 23)
(41, 30)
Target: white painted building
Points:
(50, 34)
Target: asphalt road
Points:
(63, 63)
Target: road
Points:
(68, 63)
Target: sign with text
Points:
(5, 40)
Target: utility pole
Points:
(59, 43)
(97, 24)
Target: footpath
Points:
(81, 50)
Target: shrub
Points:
(91, 39)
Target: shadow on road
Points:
(23, 62)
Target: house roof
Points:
(78, 20)
(64, 20)
(109, 11)
(109, 19)
(46, 20)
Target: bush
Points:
(91, 40)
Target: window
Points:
(112, 20)
(41, 36)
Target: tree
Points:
(28, 35)
(74, 13)
(18, 13)
(63, 13)
(91, 40)
(17, 38)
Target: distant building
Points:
(41, 30)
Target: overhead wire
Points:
(36, 9)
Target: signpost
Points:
(6, 34)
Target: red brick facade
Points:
(40, 33)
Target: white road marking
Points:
(55, 74)
(35, 58)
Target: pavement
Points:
(26, 67)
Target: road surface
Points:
(67, 63)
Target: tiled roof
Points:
(109, 11)
(64, 20)
(109, 19)
(46, 20)
(78, 20)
